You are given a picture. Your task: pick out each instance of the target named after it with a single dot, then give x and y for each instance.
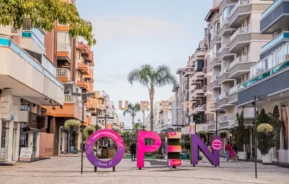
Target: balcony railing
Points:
(64, 47)
(63, 72)
(276, 40)
(240, 3)
(69, 99)
(272, 7)
(238, 60)
(225, 70)
(223, 95)
(7, 42)
(233, 90)
(240, 30)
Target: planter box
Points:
(242, 155)
(267, 159)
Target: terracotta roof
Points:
(211, 13)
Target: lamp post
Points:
(143, 119)
(259, 97)
(216, 122)
(84, 97)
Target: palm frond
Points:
(164, 76)
(143, 75)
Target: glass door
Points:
(14, 141)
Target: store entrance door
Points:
(34, 144)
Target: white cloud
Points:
(133, 26)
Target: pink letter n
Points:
(142, 148)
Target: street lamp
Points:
(254, 103)
(84, 97)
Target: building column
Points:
(9, 141)
(251, 143)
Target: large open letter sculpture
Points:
(142, 148)
(197, 144)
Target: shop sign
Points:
(25, 154)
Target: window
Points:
(278, 57)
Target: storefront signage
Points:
(217, 144)
(25, 154)
(175, 162)
(198, 144)
(142, 148)
(90, 145)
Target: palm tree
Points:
(152, 77)
(132, 109)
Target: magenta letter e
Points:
(142, 148)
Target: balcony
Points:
(224, 76)
(240, 12)
(72, 108)
(226, 29)
(85, 51)
(224, 52)
(223, 100)
(89, 75)
(63, 74)
(233, 95)
(274, 44)
(215, 40)
(227, 122)
(243, 36)
(63, 51)
(267, 83)
(33, 40)
(83, 84)
(85, 69)
(62, 27)
(27, 76)
(239, 67)
(276, 17)
(215, 60)
(215, 83)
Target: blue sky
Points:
(131, 33)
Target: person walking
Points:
(227, 149)
(236, 150)
(231, 152)
(133, 151)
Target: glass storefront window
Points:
(4, 141)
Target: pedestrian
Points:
(231, 152)
(227, 149)
(133, 151)
(236, 150)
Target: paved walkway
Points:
(66, 169)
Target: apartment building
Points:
(194, 81)
(235, 41)
(267, 80)
(28, 81)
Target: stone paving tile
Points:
(66, 169)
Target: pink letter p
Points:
(142, 148)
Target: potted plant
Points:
(72, 125)
(88, 131)
(265, 136)
(242, 136)
(202, 134)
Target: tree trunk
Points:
(132, 122)
(152, 108)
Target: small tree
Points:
(276, 123)
(132, 109)
(242, 133)
(262, 117)
(265, 137)
(88, 131)
(43, 14)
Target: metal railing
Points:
(233, 90)
(240, 30)
(64, 47)
(63, 72)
